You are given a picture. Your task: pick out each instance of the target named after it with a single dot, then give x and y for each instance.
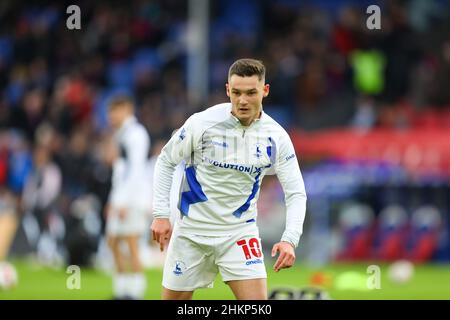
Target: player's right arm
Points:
(181, 146)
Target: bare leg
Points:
(168, 294)
(114, 244)
(138, 282)
(133, 246)
(254, 289)
(119, 262)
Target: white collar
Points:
(237, 120)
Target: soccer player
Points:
(128, 208)
(228, 148)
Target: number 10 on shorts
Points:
(255, 248)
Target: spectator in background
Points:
(76, 164)
(30, 114)
(365, 116)
(440, 93)
(39, 200)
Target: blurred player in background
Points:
(228, 148)
(153, 256)
(128, 209)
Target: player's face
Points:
(246, 95)
(117, 116)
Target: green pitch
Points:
(428, 282)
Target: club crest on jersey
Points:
(258, 151)
(179, 268)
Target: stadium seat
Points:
(424, 234)
(356, 225)
(391, 233)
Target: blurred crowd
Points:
(325, 67)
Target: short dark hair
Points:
(247, 68)
(120, 100)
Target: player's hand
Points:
(286, 258)
(122, 213)
(161, 231)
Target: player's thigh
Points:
(112, 240)
(132, 242)
(112, 230)
(241, 257)
(168, 294)
(189, 263)
(253, 289)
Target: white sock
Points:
(119, 285)
(141, 281)
(138, 285)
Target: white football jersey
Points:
(225, 164)
(131, 182)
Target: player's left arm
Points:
(288, 172)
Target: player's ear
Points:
(227, 88)
(266, 90)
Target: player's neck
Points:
(247, 122)
(126, 120)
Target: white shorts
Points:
(193, 261)
(136, 222)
